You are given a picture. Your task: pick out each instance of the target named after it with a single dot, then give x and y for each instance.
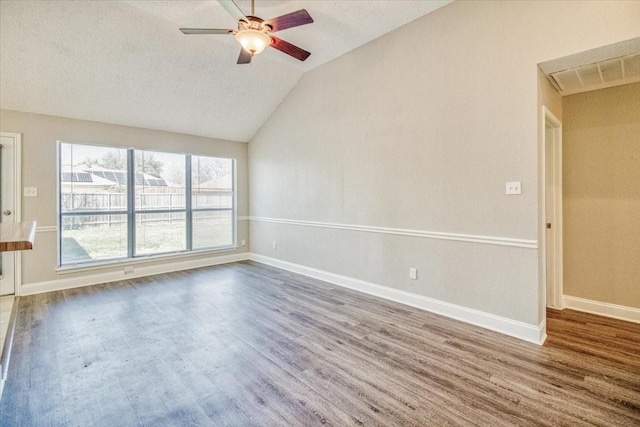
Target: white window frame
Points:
(131, 211)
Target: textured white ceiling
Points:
(127, 63)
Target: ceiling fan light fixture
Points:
(254, 34)
(253, 41)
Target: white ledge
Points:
(123, 262)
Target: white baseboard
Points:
(615, 311)
(140, 271)
(514, 328)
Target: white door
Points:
(549, 208)
(9, 204)
(553, 209)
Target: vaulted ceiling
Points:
(127, 63)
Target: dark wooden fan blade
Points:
(289, 49)
(233, 9)
(205, 31)
(290, 20)
(244, 57)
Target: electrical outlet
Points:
(413, 273)
(30, 191)
(514, 188)
(274, 246)
(243, 242)
(129, 269)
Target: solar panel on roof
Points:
(82, 177)
(117, 176)
(121, 178)
(156, 182)
(76, 177)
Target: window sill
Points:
(143, 260)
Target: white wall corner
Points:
(620, 312)
(532, 333)
(140, 271)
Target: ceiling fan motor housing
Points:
(254, 23)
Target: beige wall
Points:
(39, 136)
(601, 195)
(420, 129)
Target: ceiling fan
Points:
(255, 34)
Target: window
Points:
(212, 201)
(93, 203)
(160, 203)
(117, 203)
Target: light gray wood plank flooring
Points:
(246, 344)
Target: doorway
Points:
(553, 209)
(10, 207)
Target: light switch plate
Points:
(514, 188)
(30, 191)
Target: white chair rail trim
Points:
(472, 238)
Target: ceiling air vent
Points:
(599, 75)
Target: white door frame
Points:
(555, 300)
(16, 202)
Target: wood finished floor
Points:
(245, 344)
